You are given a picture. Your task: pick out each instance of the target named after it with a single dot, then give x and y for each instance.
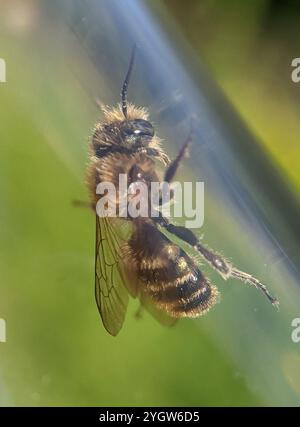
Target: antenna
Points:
(126, 81)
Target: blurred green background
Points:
(248, 48)
(57, 352)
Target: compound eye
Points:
(138, 127)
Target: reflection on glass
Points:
(62, 59)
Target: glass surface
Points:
(63, 58)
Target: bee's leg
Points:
(220, 264)
(173, 167)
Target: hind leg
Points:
(219, 263)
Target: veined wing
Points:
(110, 289)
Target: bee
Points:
(137, 256)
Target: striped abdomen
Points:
(167, 274)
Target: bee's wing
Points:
(110, 291)
(160, 315)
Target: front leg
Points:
(174, 165)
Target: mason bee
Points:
(137, 256)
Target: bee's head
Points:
(136, 133)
